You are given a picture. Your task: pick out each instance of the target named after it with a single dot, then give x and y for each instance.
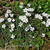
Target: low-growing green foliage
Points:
(23, 37)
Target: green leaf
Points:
(37, 45)
(25, 1)
(16, 3)
(48, 33)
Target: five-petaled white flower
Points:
(29, 27)
(21, 6)
(23, 19)
(48, 23)
(3, 26)
(6, 15)
(33, 37)
(28, 5)
(13, 20)
(20, 24)
(43, 34)
(30, 9)
(11, 30)
(11, 15)
(12, 36)
(1, 20)
(45, 14)
(25, 10)
(38, 16)
(9, 19)
(12, 26)
(28, 14)
(8, 11)
(43, 22)
(21, 3)
(32, 28)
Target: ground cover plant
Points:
(24, 23)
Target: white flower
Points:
(33, 37)
(12, 29)
(28, 5)
(28, 27)
(32, 28)
(23, 19)
(12, 36)
(13, 20)
(43, 22)
(9, 19)
(11, 15)
(21, 6)
(8, 11)
(3, 26)
(1, 20)
(25, 10)
(21, 3)
(6, 15)
(45, 14)
(30, 9)
(38, 16)
(20, 24)
(12, 26)
(43, 34)
(28, 14)
(30, 45)
(48, 23)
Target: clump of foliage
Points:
(20, 36)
